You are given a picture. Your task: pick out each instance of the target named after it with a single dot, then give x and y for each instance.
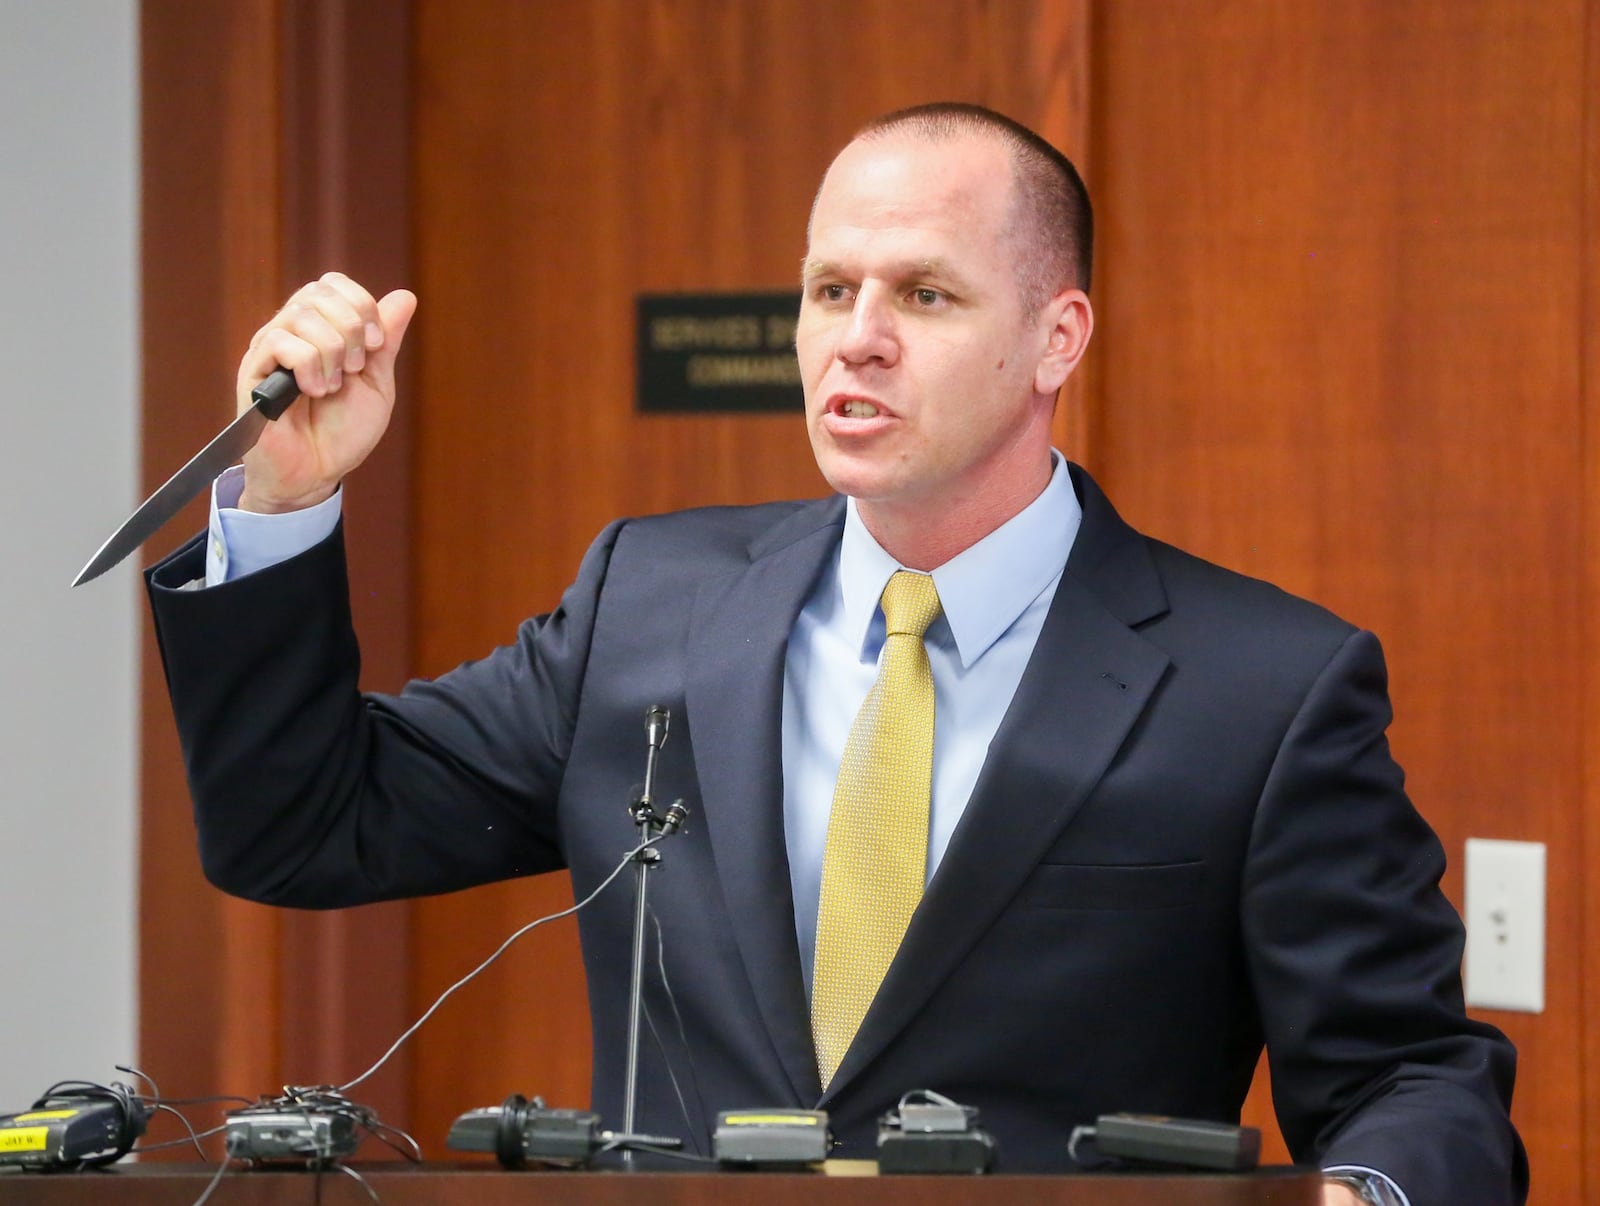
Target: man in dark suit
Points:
(1151, 819)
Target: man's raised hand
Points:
(340, 344)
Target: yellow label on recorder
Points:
(24, 1139)
(770, 1120)
(29, 1117)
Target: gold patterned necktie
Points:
(875, 863)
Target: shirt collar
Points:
(984, 588)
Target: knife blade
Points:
(272, 397)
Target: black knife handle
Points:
(275, 393)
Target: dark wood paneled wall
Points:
(1347, 298)
(1341, 320)
(1585, 961)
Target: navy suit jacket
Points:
(1188, 838)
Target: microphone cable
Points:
(503, 947)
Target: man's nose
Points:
(870, 333)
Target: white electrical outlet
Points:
(1505, 925)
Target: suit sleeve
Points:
(308, 793)
(1356, 954)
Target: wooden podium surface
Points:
(477, 1185)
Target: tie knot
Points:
(910, 604)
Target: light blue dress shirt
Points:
(995, 596)
(242, 542)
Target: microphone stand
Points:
(651, 825)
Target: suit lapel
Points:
(738, 640)
(1086, 684)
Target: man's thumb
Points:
(394, 311)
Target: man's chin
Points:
(861, 476)
(863, 487)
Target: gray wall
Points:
(69, 399)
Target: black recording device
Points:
(775, 1139)
(316, 1125)
(304, 1134)
(67, 1131)
(1156, 1139)
(521, 1131)
(929, 1133)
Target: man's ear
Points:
(1071, 320)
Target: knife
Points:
(272, 397)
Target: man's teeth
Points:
(856, 409)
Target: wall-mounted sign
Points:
(718, 352)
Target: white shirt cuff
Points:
(1389, 1194)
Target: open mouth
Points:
(847, 406)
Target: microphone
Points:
(656, 723)
(657, 720)
(677, 814)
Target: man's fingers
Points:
(352, 292)
(329, 328)
(280, 346)
(337, 306)
(332, 313)
(358, 311)
(333, 329)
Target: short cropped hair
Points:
(1055, 227)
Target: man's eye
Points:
(927, 297)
